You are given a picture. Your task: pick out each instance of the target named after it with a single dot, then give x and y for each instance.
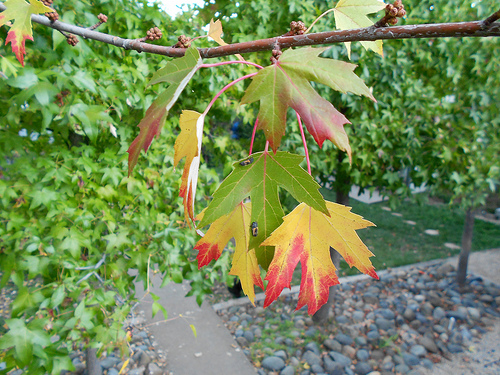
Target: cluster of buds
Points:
(396, 10)
(52, 16)
(72, 40)
(297, 27)
(183, 42)
(392, 13)
(102, 19)
(154, 34)
(276, 54)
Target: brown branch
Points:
(441, 30)
(488, 21)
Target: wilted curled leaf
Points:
(306, 235)
(188, 144)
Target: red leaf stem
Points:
(306, 151)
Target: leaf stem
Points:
(224, 89)
(253, 135)
(304, 142)
(230, 62)
(317, 19)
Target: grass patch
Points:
(396, 243)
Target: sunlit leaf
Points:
(306, 235)
(188, 144)
(352, 14)
(286, 84)
(258, 177)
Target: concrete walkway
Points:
(212, 352)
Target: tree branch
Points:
(484, 28)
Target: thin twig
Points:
(488, 21)
(440, 30)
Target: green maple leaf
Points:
(20, 11)
(260, 180)
(286, 84)
(178, 73)
(351, 14)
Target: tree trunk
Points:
(463, 258)
(342, 187)
(93, 365)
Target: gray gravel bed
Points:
(412, 321)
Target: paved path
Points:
(213, 352)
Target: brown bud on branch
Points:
(392, 13)
(183, 42)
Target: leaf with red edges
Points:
(306, 235)
(234, 225)
(188, 144)
(259, 177)
(20, 11)
(178, 73)
(286, 84)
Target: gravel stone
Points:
(418, 351)
(340, 359)
(109, 362)
(311, 358)
(313, 347)
(409, 314)
(317, 369)
(249, 336)
(273, 363)
(137, 371)
(344, 339)
(288, 370)
(428, 344)
(363, 355)
(410, 359)
(281, 354)
(455, 348)
(332, 345)
(438, 313)
(362, 368)
(402, 369)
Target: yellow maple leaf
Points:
(188, 144)
(233, 225)
(306, 235)
(215, 32)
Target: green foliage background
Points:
(65, 198)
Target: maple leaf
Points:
(306, 235)
(20, 11)
(188, 144)
(286, 84)
(177, 72)
(351, 14)
(259, 177)
(234, 225)
(215, 32)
